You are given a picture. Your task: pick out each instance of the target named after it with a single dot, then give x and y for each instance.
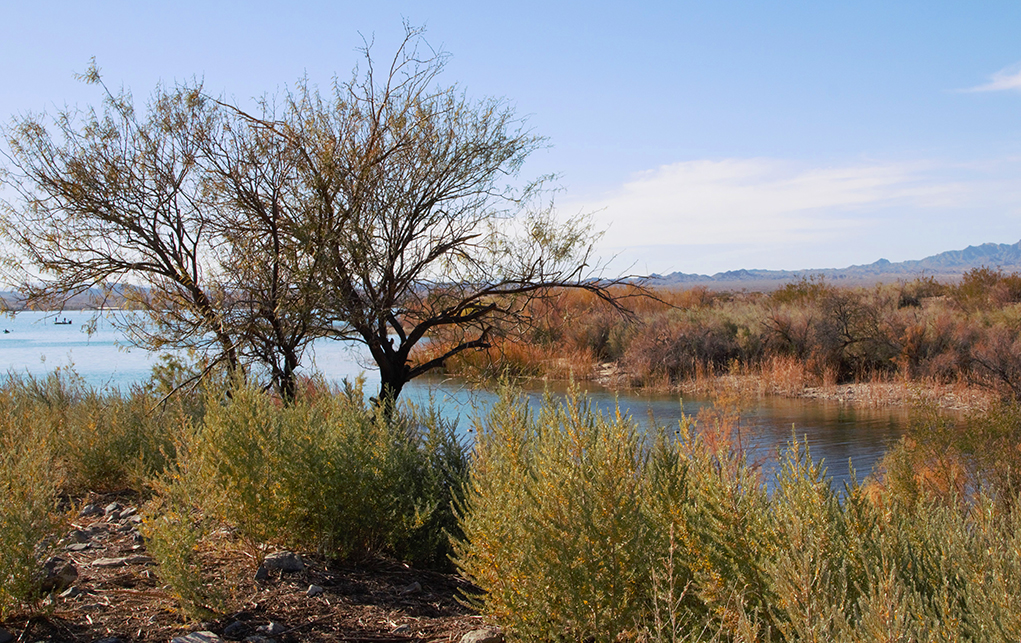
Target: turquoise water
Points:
(842, 436)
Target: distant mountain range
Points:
(945, 265)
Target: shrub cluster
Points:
(923, 329)
(59, 436)
(576, 528)
(326, 473)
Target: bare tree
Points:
(383, 212)
(110, 198)
(184, 208)
(411, 197)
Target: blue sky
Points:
(702, 136)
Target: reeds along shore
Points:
(573, 526)
(807, 334)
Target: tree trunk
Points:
(393, 376)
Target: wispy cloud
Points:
(758, 200)
(708, 215)
(1006, 79)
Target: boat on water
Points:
(62, 322)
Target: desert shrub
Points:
(996, 359)
(916, 291)
(837, 333)
(803, 290)
(680, 344)
(328, 473)
(28, 512)
(100, 440)
(689, 545)
(576, 527)
(985, 288)
(954, 458)
(174, 529)
(788, 332)
(553, 529)
(706, 496)
(922, 329)
(935, 346)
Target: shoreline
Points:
(958, 397)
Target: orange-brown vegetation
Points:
(808, 338)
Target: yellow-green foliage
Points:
(100, 440)
(575, 528)
(326, 473)
(553, 528)
(27, 511)
(173, 528)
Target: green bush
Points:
(328, 473)
(554, 533)
(28, 512)
(100, 440)
(174, 529)
(576, 528)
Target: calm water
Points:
(835, 433)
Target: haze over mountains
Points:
(945, 266)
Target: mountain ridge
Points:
(948, 265)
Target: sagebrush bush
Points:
(101, 441)
(174, 528)
(328, 473)
(576, 528)
(554, 533)
(28, 512)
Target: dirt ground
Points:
(377, 600)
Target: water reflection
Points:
(844, 438)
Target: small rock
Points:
(79, 536)
(5, 636)
(285, 561)
(273, 629)
(196, 637)
(71, 592)
(402, 629)
(136, 520)
(58, 574)
(314, 590)
(414, 588)
(90, 510)
(262, 573)
(258, 638)
(127, 513)
(111, 508)
(110, 562)
(235, 631)
(486, 635)
(138, 538)
(78, 546)
(139, 560)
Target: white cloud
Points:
(757, 201)
(1006, 78)
(711, 215)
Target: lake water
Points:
(843, 437)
